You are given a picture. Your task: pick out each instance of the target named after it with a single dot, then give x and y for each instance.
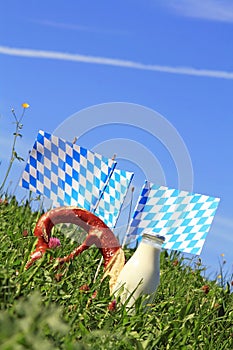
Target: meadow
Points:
(48, 308)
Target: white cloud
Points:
(77, 27)
(114, 62)
(64, 25)
(214, 10)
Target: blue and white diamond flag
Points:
(183, 218)
(66, 173)
(110, 204)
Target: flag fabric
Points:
(66, 173)
(183, 218)
(109, 206)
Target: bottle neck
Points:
(148, 250)
(152, 240)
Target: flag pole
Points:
(97, 203)
(129, 217)
(74, 140)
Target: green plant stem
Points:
(12, 154)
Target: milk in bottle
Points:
(141, 274)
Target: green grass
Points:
(42, 310)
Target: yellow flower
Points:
(219, 276)
(25, 105)
(222, 254)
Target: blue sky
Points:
(173, 57)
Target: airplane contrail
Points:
(12, 51)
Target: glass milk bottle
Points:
(141, 274)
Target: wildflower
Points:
(175, 263)
(222, 254)
(219, 276)
(25, 105)
(205, 288)
(94, 295)
(25, 233)
(54, 242)
(84, 288)
(14, 155)
(58, 276)
(112, 305)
